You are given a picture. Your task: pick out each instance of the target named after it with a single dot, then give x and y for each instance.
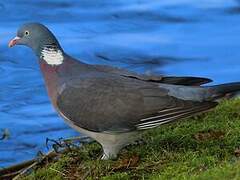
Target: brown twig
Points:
(28, 169)
(16, 171)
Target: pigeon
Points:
(114, 106)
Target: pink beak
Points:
(14, 41)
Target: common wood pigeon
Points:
(111, 105)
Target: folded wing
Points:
(105, 103)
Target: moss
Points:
(203, 147)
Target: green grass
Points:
(203, 147)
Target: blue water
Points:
(176, 37)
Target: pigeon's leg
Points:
(110, 151)
(113, 143)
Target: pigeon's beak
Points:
(14, 41)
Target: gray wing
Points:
(184, 80)
(118, 104)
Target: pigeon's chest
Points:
(52, 80)
(56, 76)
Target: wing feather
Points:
(166, 116)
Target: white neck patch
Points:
(52, 56)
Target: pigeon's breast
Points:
(51, 80)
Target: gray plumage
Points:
(113, 105)
(117, 104)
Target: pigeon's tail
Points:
(224, 90)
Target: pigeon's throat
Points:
(52, 56)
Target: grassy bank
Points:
(203, 147)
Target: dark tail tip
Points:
(222, 90)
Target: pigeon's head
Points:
(36, 36)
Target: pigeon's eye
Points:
(26, 33)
